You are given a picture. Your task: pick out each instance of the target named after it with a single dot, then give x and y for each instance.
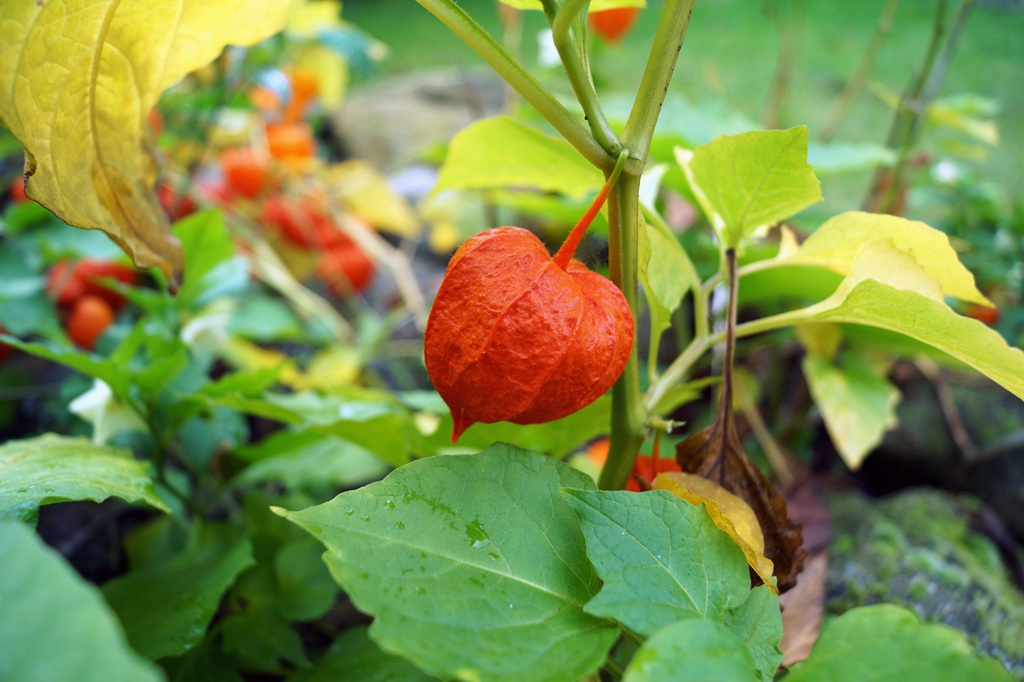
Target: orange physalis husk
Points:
(516, 335)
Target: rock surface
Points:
(916, 549)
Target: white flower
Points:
(108, 415)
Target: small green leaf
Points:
(354, 656)
(501, 152)
(666, 274)
(306, 590)
(758, 624)
(305, 459)
(117, 377)
(50, 468)
(165, 608)
(888, 643)
(660, 558)
(53, 624)
(207, 248)
(473, 566)
(692, 650)
(751, 181)
(856, 401)
(262, 640)
(383, 428)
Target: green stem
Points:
(675, 18)
(860, 77)
(579, 79)
(474, 35)
(628, 415)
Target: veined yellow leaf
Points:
(78, 79)
(729, 512)
(837, 243)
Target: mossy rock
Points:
(915, 549)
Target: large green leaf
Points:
(751, 181)
(166, 607)
(836, 244)
(78, 79)
(888, 643)
(692, 650)
(501, 152)
(856, 401)
(660, 558)
(51, 468)
(473, 566)
(53, 624)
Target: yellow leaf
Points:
(306, 18)
(838, 242)
(78, 79)
(330, 71)
(332, 368)
(248, 356)
(729, 512)
(366, 193)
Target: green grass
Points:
(730, 54)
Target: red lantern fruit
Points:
(516, 335)
(613, 24)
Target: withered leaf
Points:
(715, 453)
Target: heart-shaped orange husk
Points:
(514, 337)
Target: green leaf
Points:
(501, 152)
(306, 590)
(53, 624)
(886, 643)
(836, 245)
(844, 157)
(692, 650)
(473, 566)
(856, 401)
(666, 274)
(117, 377)
(660, 558)
(556, 439)
(166, 607)
(262, 640)
(758, 624)
(888, 290)
(305, 459)
(383, 428)
(207, 248)
(750, 181)
(50, 468)
(354, 656)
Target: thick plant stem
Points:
(578, 78)
(474, 35)
(628, 415)
(675, 18)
